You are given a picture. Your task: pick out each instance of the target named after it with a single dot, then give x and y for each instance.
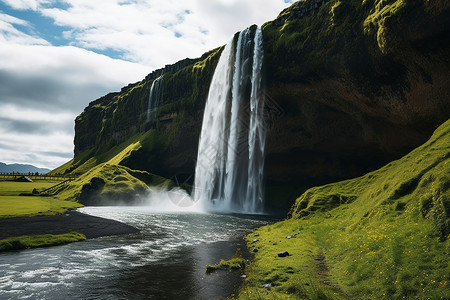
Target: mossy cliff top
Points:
(384, 235)
(313, 34)
(356, 84)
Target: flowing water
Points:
(154, 98)
(230, 161)
(166, 260)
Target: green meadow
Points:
(13, 188)
(28, 206)
(13, 205)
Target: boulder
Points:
(283, 254)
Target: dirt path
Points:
(324, 274)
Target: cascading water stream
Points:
(257, 133)
(154, 98)
(229, 171)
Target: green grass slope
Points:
(26, 206)
(104, 180)
(12, 205)
(150, 140)
(106, 184)
(35, 241)
(380, 236)
(14, 188)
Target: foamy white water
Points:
(230, 161)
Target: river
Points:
(165, 260)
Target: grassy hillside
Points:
(14, 205)
(116, 154)
(380, 236)
(104, 179)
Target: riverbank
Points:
(90, 226)
(39, 231)
(36, 221)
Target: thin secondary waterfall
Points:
(230, 161)
(154, 98)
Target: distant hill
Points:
(5, 168)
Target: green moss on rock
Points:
(109, 184)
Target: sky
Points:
(56, 56)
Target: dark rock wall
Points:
(349, 102)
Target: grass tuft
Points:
(34, 241)
(234, 263)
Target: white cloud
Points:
(12, 20)
(60, 78)
(39, 150)
(153, 32)
(43, 88)
(10, 34)
(158, 32)
(25, 114)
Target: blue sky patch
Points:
(39, 26)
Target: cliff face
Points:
(350, 85)
(359, 85)
(116, 117)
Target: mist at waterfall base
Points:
(173, 200)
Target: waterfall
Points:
(154, 98)
(257, 133)
(230, 161)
